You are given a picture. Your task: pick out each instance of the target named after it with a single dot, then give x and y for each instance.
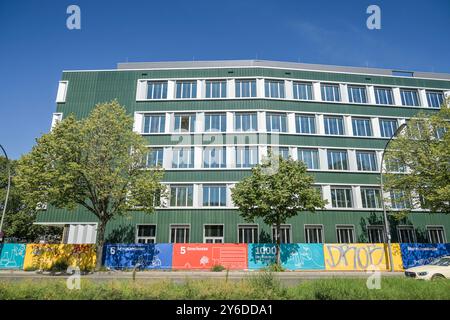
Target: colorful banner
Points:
(207, 255)
(360, 256)
(298, 256)
(141, 256)
(44, 256)
(418, 254)
(12, 255)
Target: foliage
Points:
(275, 267)
(217, 268)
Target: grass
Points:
(262, 286)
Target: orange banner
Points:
(207, 255)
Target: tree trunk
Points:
(278, 243)
(99, 244)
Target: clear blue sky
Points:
(35, 45)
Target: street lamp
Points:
(386, 222)
(7, 190)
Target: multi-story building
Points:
(208, 123)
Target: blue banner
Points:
(141, 256)
(12, 255)
(418, 254)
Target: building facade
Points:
(207, 123)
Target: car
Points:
(438, 269)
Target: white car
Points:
(438, 269)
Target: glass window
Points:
(146, 233)
(245, 88)
(341, 197)
(181, 196)
(376, 234)
(388, 127)
(383, 95)
(156, 89)
(285, 234)
(345, 234)
(274, 88)
(303, 91)
(183, 157)
(154, 123)
(357, 94)
(436, 234)
(246, 157)
(366, 160)
(314, 234)
(213, 234)
(245, 121)
(371, 198)
(184, 123)
(310, 157)
(330, 92)
(409, 97)
(186, 89)
(400, 200)
(215, 122)
(337, 160)
(248, 233)
(179, 233)
(279, 151)
(214, 157)
(362, 127)
(305, 123)
(154, 157)
(216, 88)
(214, 195)
(406, 234)
(435, 99)
(276, 122)
(334, 125)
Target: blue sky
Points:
(36, 45)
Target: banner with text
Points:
(140, 256)
(418, 254)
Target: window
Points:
(213, 234)
(248, 233)
(345, 234)
(366, 160)
(400, 200)
(435, 99)
(274, 88)
(245, 122)
(436, 234)
(156, 89)
(246, 157)
(395, 165)
(334, 125)
(409, 97)
(361, 127)
(285, 234)
(371, 198)
(388, 127)
(183, 157)
(310, 157)
(186, 89)
(216, 88)
(303, 91)
(279, 151)
(146, 233)
(214, 195)
(245, 88)
(184, 123)
(214, 157)
(314, 234)
(383, 95)
(305, 124)
(337, 160)
(341, 197)
(62, 91)
(357, 94)
(181, 196)
(154, 157)
(376, 234)
(330, 92)
(276, 122)
(179, 233)
(154, 123)
(406, 234)
(215, 122)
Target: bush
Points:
(275, 267)
(217, 268)
(60, 265)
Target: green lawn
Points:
(262, 286)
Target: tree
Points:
(96, 163)
(422, 151)
(277, 189)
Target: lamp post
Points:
(386, 222)
(7, 189)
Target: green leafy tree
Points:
(418, 163)
(96, 163)
(277, 189)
